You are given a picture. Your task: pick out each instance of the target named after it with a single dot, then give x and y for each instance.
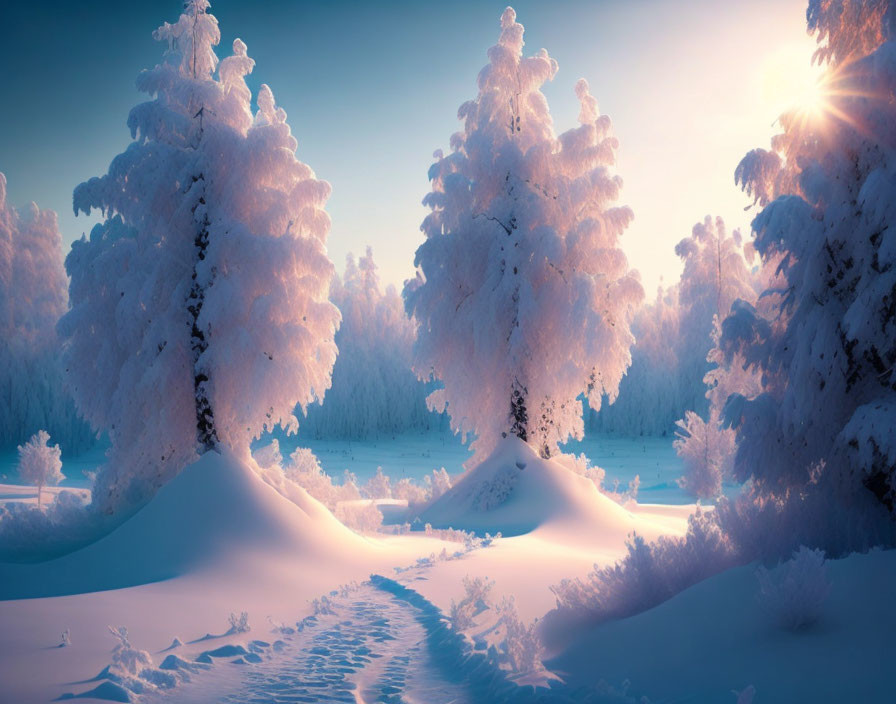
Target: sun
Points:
(791, 82)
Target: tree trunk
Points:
(519, 416)
(206, 435)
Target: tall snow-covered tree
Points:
(199, 311)
(715, 275)
(523, 297)
(33, 296)
(828, 353)
(375, 392)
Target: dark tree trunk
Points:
(206, 434)
(519, 416)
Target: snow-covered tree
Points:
(40, 463)
(650, 397)
(374, 391)
(715, 275)
(828, 354)
(32, 297)
(199, 308)
(523, 297)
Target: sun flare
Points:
(790, 81)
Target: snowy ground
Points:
(219, 540)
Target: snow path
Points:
(371, 646)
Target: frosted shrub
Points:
(40, 463)
(794, 593)
(30, 534)
(66, 638)
(379, 486)
(521, 644)
(239, 624)
(439, 482)
(127, 660)
(706, 450)
(522, 261)
(581, 465)
(648, 575)
(407, 490)
(269, 455)
(305, 470)
(361, 516)
(477, 591)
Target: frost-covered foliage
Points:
(360, 516)
(521, 646)
(476, 599)
(793, 594)
(375, 392)
(40, 463)
(305, 470)
(33, 294)
(827, 353)
(523, 297)
(707, 450)
(439, 483)
(648, 575)
(379, 486)
(199, 307)
(29, 534)
(650, 399)
(674, 334)
(127, 660)
(239, 623)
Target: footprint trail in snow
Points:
(371, 648)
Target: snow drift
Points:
(514, 491)
(214, 512)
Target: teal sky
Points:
(372, 89)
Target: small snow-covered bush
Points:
(305, 470)
(379, 486)
(360, 516)
(439, 482)
(127, 660)
(582, 465)
(794, 593)
(521, 645)
(707, 451)
(649, 574)
(477, 591)
(239, 624)
(30, 534)
(40, 463)
(269, 455)
(414, 494)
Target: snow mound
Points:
(514, 491)
(213, 514)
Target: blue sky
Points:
(372, 89)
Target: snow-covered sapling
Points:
(794, 593)
(40, 463)
(239, 624)
(476, 599)
(523, 296)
